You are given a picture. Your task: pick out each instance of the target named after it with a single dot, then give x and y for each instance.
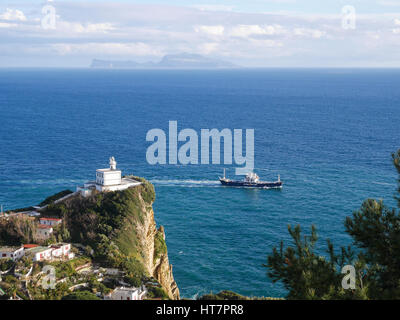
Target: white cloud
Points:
(373, 35)
(110, 48)
(310, 33)
(245, 31)
(390, 3)
(209, 47)
(122, 30)
(76, 27)
(266, 43)
(211, 30)
(98, 27)
(7, 25)
(13, 15)
(213, 7)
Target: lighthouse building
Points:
(109, 179)
(110, 176)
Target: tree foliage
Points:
(375, 253)
(107, 223)
(17, 230)
(80, 295)
(55, 197)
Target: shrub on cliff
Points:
(6, 264)
(230, 295)
(108, 223)
(160, 247)
(148, 194)
(156, 293)
(17, 230)
(81, 295)
(223, 295)
(55, 197)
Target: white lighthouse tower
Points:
(109, 179)
(113, 164)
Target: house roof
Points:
(38, 249)
(9, 249)
(43, 226)
(34, 213)
(59, 245)
(28, 246)
(126, 289)
(51, 219)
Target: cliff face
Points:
(121, 230)
(155, 255)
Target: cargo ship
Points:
(251, 181)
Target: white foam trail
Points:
(186, 183)
(384, 183)
(195, 296)
(46, 182)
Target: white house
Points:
(124, 293)
(40, 253)
(50, 221)
(13, 253)
(61, 250)
(43, 231)
(86, 191)
(33, 214)
(109, 179)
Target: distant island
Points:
(171, 61)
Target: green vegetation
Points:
(66, 268)
(375, 254)
(223, 295)
(97, 287)
(55, 197)
(17, 230)
(38, 293)
(63, 269)
(20, 210)
(157, 293)
(81, 295)
(6, 264)
(23, 265)
(230, 295)
(67, 279)
(79, 261)
(160, 247)
(107, 224)
(12, 287)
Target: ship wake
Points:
(186, 183)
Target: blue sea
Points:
(329, 133)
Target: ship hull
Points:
(244, 184)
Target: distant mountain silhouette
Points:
(171, 61)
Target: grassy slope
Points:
(230, 295)
(107, 222)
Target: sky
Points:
(249, 33)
